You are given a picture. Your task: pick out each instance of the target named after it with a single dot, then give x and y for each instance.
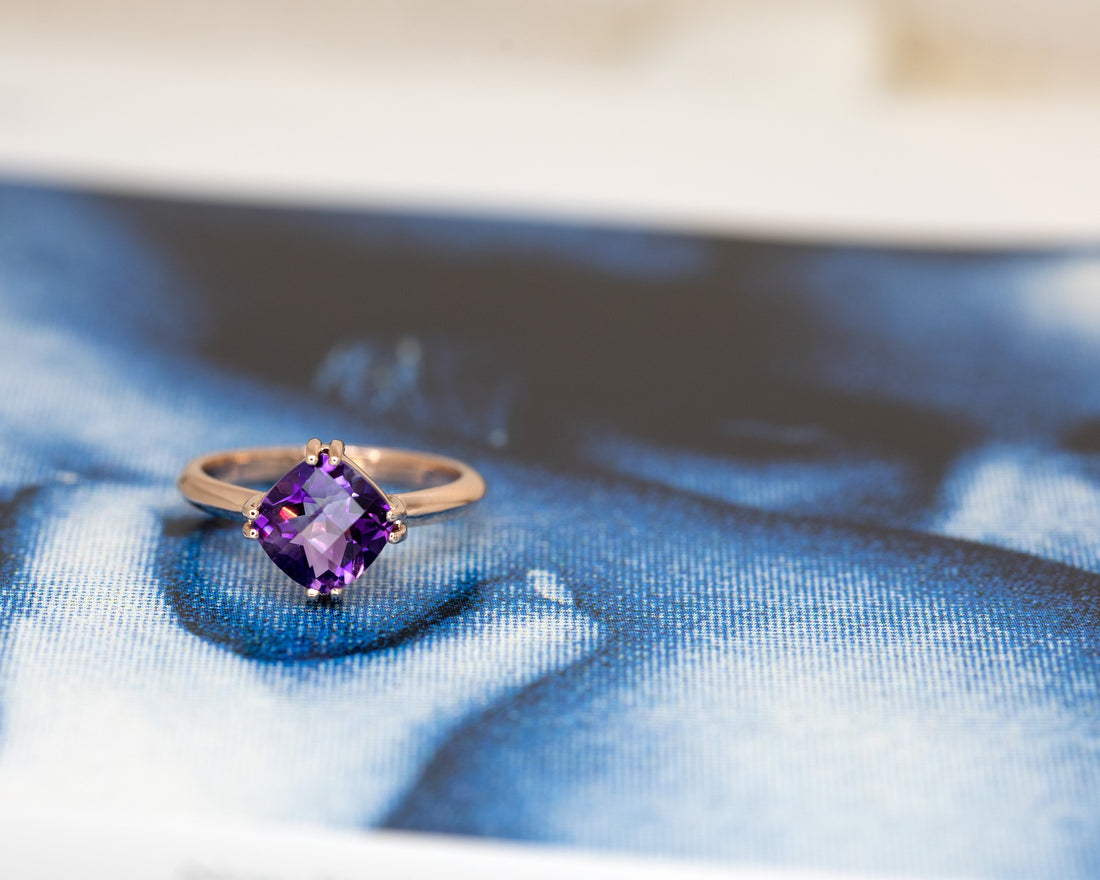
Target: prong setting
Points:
(397, 510)
(251, 508)
(396, 516)
(313, 451)
(336, 451)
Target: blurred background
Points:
(937, 121)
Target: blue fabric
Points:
(828, 598)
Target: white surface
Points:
(47, 846)
(742, 117)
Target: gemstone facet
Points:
(324, 523)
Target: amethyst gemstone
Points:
(323, 524)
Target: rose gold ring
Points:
(326, 519)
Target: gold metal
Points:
(399, 533)
(251, 508)
(210, 481)
(397, 509)
(313, 450)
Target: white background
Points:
(969, 121)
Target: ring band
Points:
(326, 519)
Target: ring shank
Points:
(210, 481)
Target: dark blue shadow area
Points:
(223, 590)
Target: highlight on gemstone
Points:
(323, 524)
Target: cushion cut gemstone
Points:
(323, 524)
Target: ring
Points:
(326, 519)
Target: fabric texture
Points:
(790, 554)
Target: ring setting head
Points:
(325, 521)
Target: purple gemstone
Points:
(323, 524)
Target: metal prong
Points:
(251, 508)
(313, 450)
(336, 592)
(336, 451)
(400, 531)
(250, 531)
(312, 593)
(397, 509)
